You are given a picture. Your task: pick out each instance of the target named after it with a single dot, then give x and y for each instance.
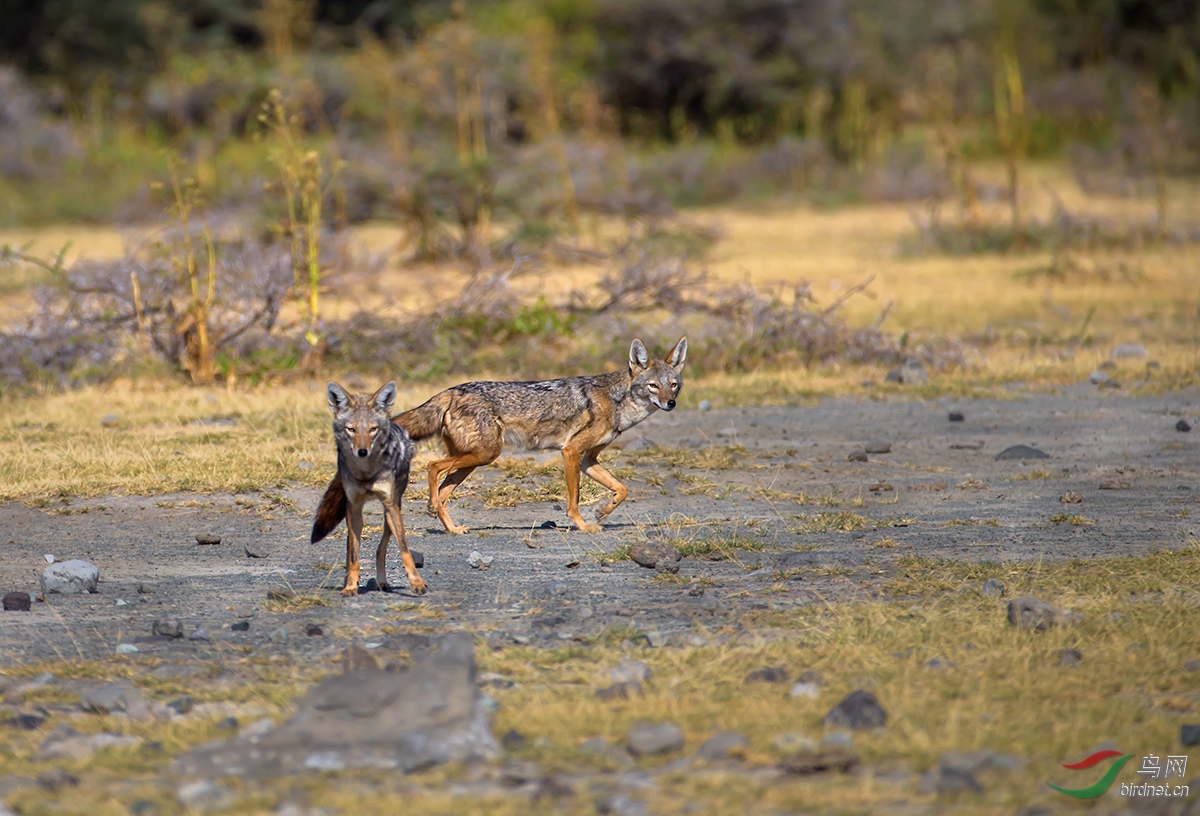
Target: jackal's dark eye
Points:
(652, 385)
(674, 385)
(373, 429)
(350, 429)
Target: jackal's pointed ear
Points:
(385, 398)
(678, 354)
(638, 356)
(339, 400)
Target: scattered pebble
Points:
(1127, 351)
(1069, 657)
(127, 648)
(169, 627)
(204, 796)
(200, 634)
(312, 630)
(790, 742)
(806, 691)
(1021, 452)
(70, 577)
(1182, 426)
(208, 538)
(726, 745)
(967, 444)
(418, 558)
(630, 671)
(878, 446)
(17, 602)
(956, 416)
(935, 663)
(651, 739)
(879, 487)
(911, 373)
(857, 456)
(305, 465)
(1031, 613)
(1114, 484)
(641, 444)
(240, 626)
(1070, 497)
(1192, 666)
(479, 561)
(727, 432)
(772, 674)
(992, 588)
(822, 760)
(705, 405)
(110, 421)
(1189, 735)
(256, 550)
(181, 705)
(657, 555)
(1098, 377)
(281, 594)
(49, 558)
(858, 711)
(145, 589)
(513, 740)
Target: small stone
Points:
(656, 555)
(727, 432)
(49, 558)
(1098, 377)
(181, 705)
(857, 456)
(144, 807)
(822, 760)
(911, 373)
(108, 698)
(204, 796)
(1031, 613)
(812, 676)
(356, 658)
(168, 627)
(880, 487)
(726, 745)
(789, 743)
(705, 405)
(992, 588)
(1107, 365)
(513, 739)
(200, 633)
(122, 602)
(655, 639)
(1114, 484)
(1182, 426)
(256, 550)
(1070, 497)
(878, 446)
(281, 594)
(806, 691)
(240, 626)
(228, 724)
(479, 561)
(17, 602)
(1192, 666)
(126, 648)
(1021, 452)
(1069, 657)
(208, 539)
(1189, 735)
(312, 630)
(619, 691)
(418, 558)
(1129, 351)
(956, 416)
(631, 671)
(305, 465)
(651, 739)
(56, 779)
(110, 421)
(70, 577)
(773, 674)
(145, 589)
(558, 588)
(858, 711)
(935, 663)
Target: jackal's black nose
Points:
(670, 405)
(361, 451)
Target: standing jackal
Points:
(374, 456)
(580, 416)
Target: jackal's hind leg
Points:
(381, 579)
(599, 474)
(396, 520)
(572, 458)
(354, 525)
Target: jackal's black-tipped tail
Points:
(425, 420)
(331, 511)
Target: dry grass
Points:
(1007, 693)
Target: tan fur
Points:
(580, 416)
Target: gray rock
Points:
(1189, 735)
(807, 691)
(110, 421)
(67, 743)
(837, 739)
(857, 456)
(935, 663)
(992, 588)
(822, 760)
(558, 588)
(772, 674)
(305, 465)
(878, 446)
(1182, 426)
(479, 561)
(204, 796)
(126, 648)
(705, 405)
(181, 705)
(790, 743)
(726, 745)
(17, 602)
(368, 719)
(1098, 377)
(112, 698)
(858, 711)
(619, 691)
(145, 589)
(1021, 452)
(651, 739)
(200, 633)
(256, 550)
(631, 671)
(1069, 657)
(911, 373)
(168, 627)
(656, 555)
(1129, 351)
(620, 804)
(56, 779)
(70, 577)
(959, 770)
(1192, 666)
(208, 539)
(956, 416)
(1031, 613)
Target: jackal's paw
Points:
(584, 527)
(350, 591)
(419, 587)
(430, 510)
(454, 529)
(603, 512)
(384, 586)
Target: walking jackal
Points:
(374, 457)
(580, 416)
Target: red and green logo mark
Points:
(1102, 784)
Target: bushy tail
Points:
(330, 511)
(425, 420)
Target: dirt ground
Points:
(769, 491)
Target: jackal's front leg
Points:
(396, 521)
(381, 579)
(571, 461)
(354, 525)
